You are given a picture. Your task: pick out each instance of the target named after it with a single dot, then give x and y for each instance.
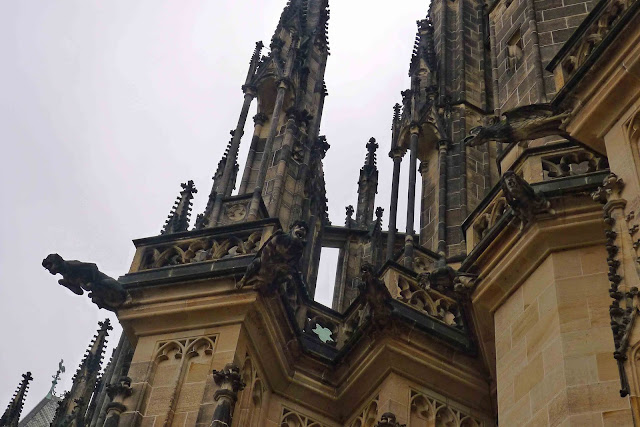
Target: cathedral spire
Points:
(11, 415)
(367, 186)
(73, 407)
(178, 219)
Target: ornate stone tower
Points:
(493, 304)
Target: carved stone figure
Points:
(230, 383)
(522, 198)
(106, 292)
(388, 419)
(376, 296)
(520, 124)
(277, 261)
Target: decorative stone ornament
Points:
(117, 392)
(106, 292)
(522, 198)
(388, 419)
(278, 260)
(520, 124)
(230, 382)
(377, 297)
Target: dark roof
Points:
(42, 414)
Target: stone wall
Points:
(554, 346)
(555, 21)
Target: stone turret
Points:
(11, 415)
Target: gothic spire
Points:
(178, 219)
(424, 47)
(75, 402)
(367, 186)
(11, 415)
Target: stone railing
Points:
(419, 295)
(486, 217)
(198, 246)
(587, 43)
(550, 161)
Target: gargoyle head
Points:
(477, 136)
(388, 419)
(54, 263)
(511, 181)
(299, 230)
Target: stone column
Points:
(443, 146)
(230, 383)
(249, 94)
(259, 120)
(411, 197)
(283, 84)
(396, 155)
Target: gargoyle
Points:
(376, 296)
(522, 198)
(388, 419)
(520, 124)
(277, 261)
(77, 276)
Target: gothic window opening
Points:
(326, 276)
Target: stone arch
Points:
(422, 412)
(291, 419)
(445, 417)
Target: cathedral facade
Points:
(509, 300)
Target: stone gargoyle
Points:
(522, 198)
(277, 261)
(388, 419)
(520, 124)
(106, 292)
(376, 296)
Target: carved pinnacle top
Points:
(178, 219)
(372, 146)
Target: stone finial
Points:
(379, 213)
(349, 215)
(372, 146)
(230, 383)
(11, 415)
(178, 219)
(388, 419)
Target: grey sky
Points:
(107, 106)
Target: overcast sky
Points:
(107, 106)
